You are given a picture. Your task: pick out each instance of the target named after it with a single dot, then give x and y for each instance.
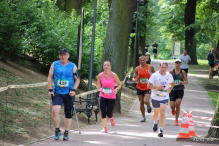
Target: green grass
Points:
(213, 96)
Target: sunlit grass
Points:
(213, 96)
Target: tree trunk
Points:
(131, 52)
(74, 4)
(214, 132)
(117, 39)
(190, 40)
(217, 50)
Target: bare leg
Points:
(147, 98)
(104, 120)
(55, 115)
(141, 100)
(156, 113)
(178, 102)
(67, 124)
(162, 120)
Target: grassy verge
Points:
(213, 96)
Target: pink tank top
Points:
(107, 87)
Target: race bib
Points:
(107, 90)
(162, 93)
(177, 82)
(155, 47)
(184, 61)
(62, 83)
(143, 80)
(146, 48)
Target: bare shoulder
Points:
(171, 71)
(114, 74)
(100, 75)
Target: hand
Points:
(134, 79)
(115, 91)
(98, 86)
(169, 90)
(181, 82)
(51, 94)
(72, 93)
(161, 87)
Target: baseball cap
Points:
(63, 51)
(147, 53)
(178, 60)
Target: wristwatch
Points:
(74, 90)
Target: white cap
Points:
(178, 60)
(147, 53)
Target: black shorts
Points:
(155, 51)
(211, 65)
(175, 94)
(65, 99)
(185, 69)
(143, 92)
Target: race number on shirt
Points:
(162, 93)
(177, 82)
(107, 90)
(155, 47)
(62, 83)
(144, 80)
(184, 61)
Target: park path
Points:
(130, 131)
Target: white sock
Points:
(155, 122)
(160, 128)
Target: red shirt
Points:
(143, 77)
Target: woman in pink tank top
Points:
(106, 82)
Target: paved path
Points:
(130, 131)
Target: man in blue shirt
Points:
(65, 84)
(211, 57)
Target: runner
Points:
(211, 57)
(148, 58)
(146, 48)
(185, 58)
(107, 95)
(155, 47)
(142, 74)
(161, 84)
(64, 73)
(177, 93)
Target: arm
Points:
(134, 79)
(171, 71)
(171, 87)
(116, 79)
(151, 63)
(151, 86)
(184, 78)
(151, 69)
(214, 56)
(77, 82)
(50, 79)
(99, 77)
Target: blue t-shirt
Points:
(63, 77)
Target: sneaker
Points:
(173, 112)
(65, 136)
(113, 123)
(57, 134)
(149, 108)
(176, 123)
(104, 130)
(160, 134)
(155, 127)
(143, 119)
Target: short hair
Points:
(142, 56)
(107, 61)
(163, 63)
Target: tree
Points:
(117, 38)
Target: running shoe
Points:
(143, 119)
(113, 123)
(57, 134)
(104, 130)
(149, 108)
(160, 134)
(65, 136)
(176, 123)
(173, 112)
(155, 127)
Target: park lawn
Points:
(202, 64)
(213, 96)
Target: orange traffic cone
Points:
(191, 125)
(184, 129)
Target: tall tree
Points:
(190, 40)
(117, 38)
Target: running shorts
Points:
(143, 92)
(155, 51)
(175, 94)
(156, 103)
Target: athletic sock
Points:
(155, 122)
(57, 129)
(66, 131)
(160, 128)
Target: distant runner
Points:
(161, 83)
(185, 58)
(146, 48)
(142, 74)
(211, 57)
(155, 47)
(177, 93)
(148, 58)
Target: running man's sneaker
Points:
(65, 136)
(155, 127)
(176, 123)
(143, 119)
(173, 112)
(57, 134)
(149, 108)
(113, 123)
(104, 130)
(160, 134)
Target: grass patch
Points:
(192, 72)
(213, 96)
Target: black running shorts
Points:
(155, 51)
(143, 92)
(175, 94)
(211, 65)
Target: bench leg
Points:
(89, 114)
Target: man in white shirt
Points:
(161, 83)
(185, 58)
